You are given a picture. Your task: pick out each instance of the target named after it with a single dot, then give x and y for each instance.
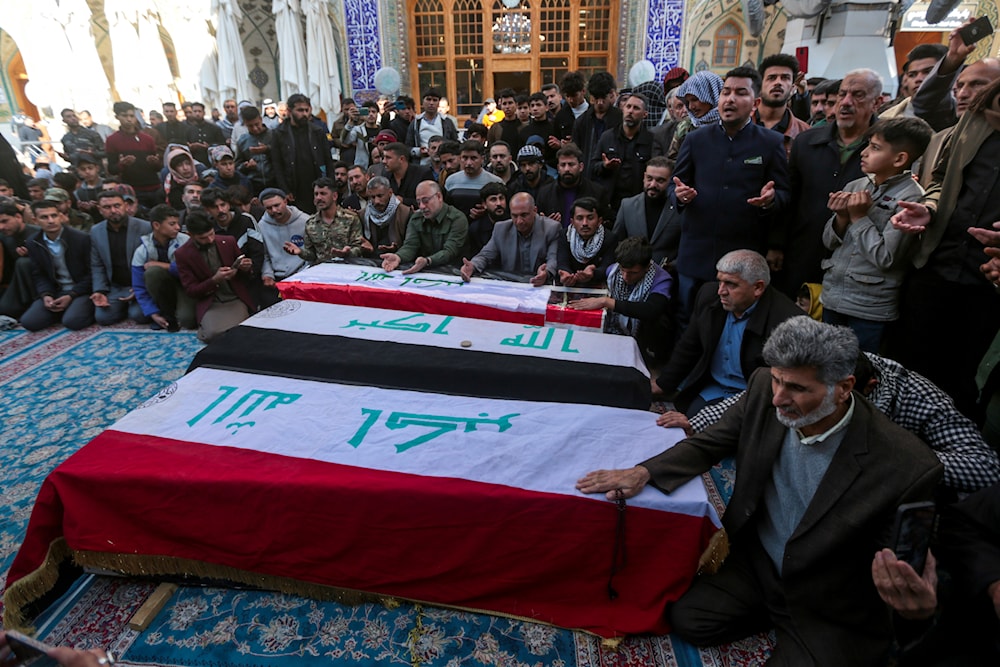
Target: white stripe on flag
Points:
(445, 331)
(510, 296)
(542, 447)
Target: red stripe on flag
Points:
(452, 541)
(373, 297)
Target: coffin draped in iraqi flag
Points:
(434, 293)
(314, 486)
(435, 353)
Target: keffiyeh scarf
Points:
(618, 289)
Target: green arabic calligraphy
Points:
(401, 324)
(532, 342)
(250, 401)
(439, 425)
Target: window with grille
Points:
(727, 45)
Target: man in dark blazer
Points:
(731, 181)
(724, 344)
(651, 213)
(213, 272)
(60, 266)
(113, 242)
(526, 230)
(819, 483)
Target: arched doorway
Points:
(471, 48)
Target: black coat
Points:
(814, 172)
(77, 247)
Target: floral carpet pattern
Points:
(61, 388)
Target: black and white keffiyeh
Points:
(584, 250)
(618, 289)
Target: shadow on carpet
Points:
(62, 388)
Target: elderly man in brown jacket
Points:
(818, 486)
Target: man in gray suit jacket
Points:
(527, 244)
(651, 213)
(112, 243)
(821, 475)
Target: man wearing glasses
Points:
(435, 235)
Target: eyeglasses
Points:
(423, 201)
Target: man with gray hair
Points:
(823, 160)
(724, 342)
(819, 484)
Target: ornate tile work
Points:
(363, 43)
(663, 34)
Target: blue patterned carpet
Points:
(61, 388)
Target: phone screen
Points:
(914, 529)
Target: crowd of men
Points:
(715, 212)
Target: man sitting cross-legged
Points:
(155, 280)
(113, 243)
(60, 265)
(213, 273)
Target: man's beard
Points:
(569, 180)
(824, 410)
(774, 104)
(497, 216)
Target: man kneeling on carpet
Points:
(155, 280)
(819, 484)
(214, 273)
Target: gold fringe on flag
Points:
(32, 587)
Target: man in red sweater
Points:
(132, 155)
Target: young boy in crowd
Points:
(863, 277)
(155, 280)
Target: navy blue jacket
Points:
(726, 173)
(77, 247)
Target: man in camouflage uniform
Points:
(332, 231)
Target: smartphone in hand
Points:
(976, 31)
(236, 264)
(915, 525)
(27, 649)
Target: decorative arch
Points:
(726, 45)
(465, 46)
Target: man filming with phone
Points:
(818, 488)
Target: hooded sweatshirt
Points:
(279, 264)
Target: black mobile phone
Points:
(976, 30)
(915, 525)
(611, 152)
(239, 259)
(26, 649)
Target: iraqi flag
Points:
(434, 293)
(434, 353)
(452, 500)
